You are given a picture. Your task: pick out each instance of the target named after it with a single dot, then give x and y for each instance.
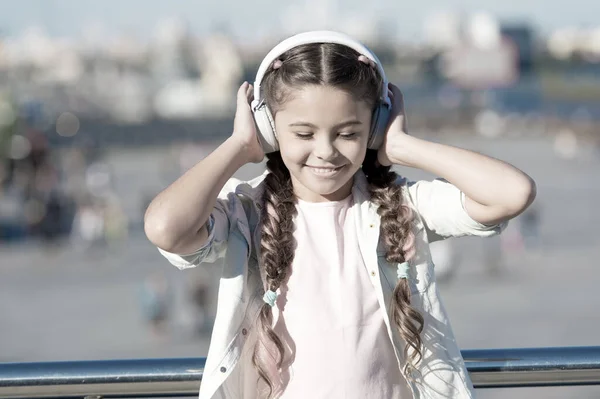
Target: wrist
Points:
(239, 151)
(405, 151)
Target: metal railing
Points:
(488, 368)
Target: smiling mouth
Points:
(324, 171)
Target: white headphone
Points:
(267, 134)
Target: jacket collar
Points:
(360, 189)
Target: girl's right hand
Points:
(244, 127)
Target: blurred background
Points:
(104, 103)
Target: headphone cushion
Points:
(379, 123)
(266, 129)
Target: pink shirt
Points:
(328, 314)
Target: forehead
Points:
(321, 105)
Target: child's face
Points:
(322, 133)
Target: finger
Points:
(396, 92)
(242, 90)
(397, 97)
(242, 97)
(250, 93)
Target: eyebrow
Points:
(338, 126)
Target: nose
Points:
(324, 149)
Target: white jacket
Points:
(439, 213)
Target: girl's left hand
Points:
(396, 132)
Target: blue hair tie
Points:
(270, 297)
(403, 270)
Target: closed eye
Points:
(303, 136)
(308, 136)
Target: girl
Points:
(328, 289)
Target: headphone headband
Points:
(322, 36)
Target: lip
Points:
(321, 171)
(325, 167)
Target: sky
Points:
(257, 18)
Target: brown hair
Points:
(337, 66)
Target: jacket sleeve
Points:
(219, 221)
(214, 247)
(440, 206)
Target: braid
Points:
(398, 239)
(277, 247)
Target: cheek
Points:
(293, 154)
(354, 152)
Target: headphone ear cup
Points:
(379, 122)
(266, 129)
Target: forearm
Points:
(179, 212)
(487, 181)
